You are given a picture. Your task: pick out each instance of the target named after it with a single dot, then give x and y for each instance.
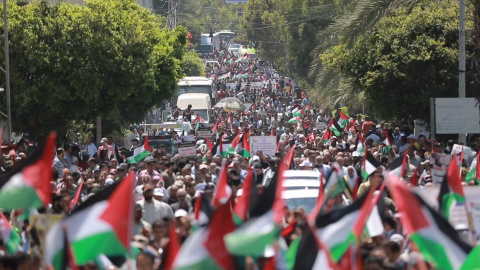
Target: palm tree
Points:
(358, 18)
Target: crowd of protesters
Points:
(167, 185)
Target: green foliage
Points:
(198, 16)
(192, 64)
(79, 132)
(105, 58)
(285, 31)
(407, 58)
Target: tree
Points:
(407, 58)
(192, 64)
(106, 58)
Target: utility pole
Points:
(172, 14)
(461, 61)
(7, 73)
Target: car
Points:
(179, 126)
(212, 63)
(295, 198)
(234, 48)
(301, 189)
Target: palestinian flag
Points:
(474, 168)
(243, 148)
(225, 76)
(197, 121)
(370, 165)
(374, 225)
(335, 183)
(361, 143)
(451, 189)
(234, 144)
(29, 185)
(335, 128)
(297, 112)
(341, 119)
(341, 228)
(222, 190)
(140, 153)
(101, 225)
(213, 77)
(202, 210)
(295, 120)
(215, 127)
(326, 136)
(397, 166)
(172, 249)
(205, 248)
(262, 229)
(435, 238)
(241, 208)
(388, 142)
(309, 255)
(210, 145)
(222, 147)
(10, 237)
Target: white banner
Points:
(266, 144)
(186, 149)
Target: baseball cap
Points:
(203, 166)
(181, 213)
(103, 140)
(355, 154)
(411, 136)
(158, 192)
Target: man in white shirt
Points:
(91, 147)
(153, 209)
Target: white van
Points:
(200, 102)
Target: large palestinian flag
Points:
(451, 189)
(141, 152)
(262, 229)
(101, 225)
(205, 248)
(341, 228)
(29, 185)
(436, 239)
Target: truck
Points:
(201, 104)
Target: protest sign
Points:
(439, 164)
(186, 149)
(467, 153)
(204, 130)
(40, 224)
(266, 144)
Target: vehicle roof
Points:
(300, 193)
(195, 82)
(301, 183)
(194, 78)
(199, 101)
(301, 173)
